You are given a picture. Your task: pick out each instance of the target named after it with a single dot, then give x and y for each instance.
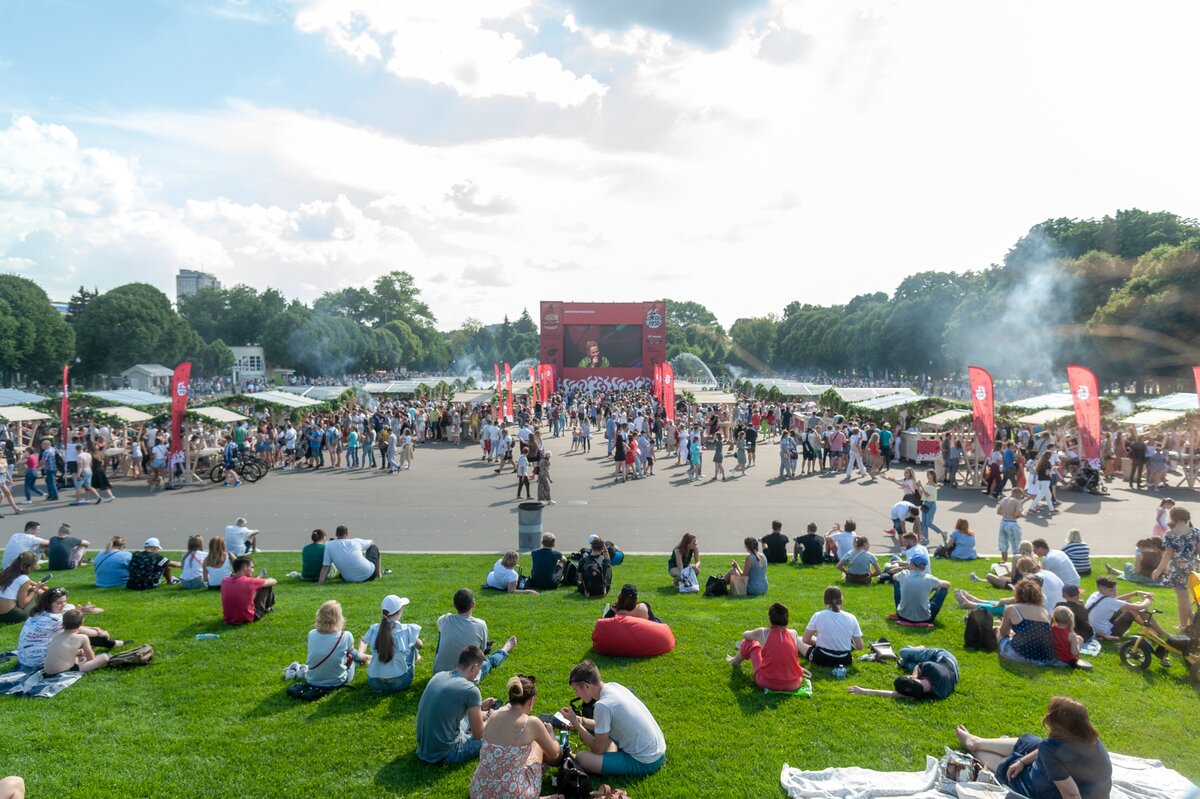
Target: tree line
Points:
(1116, 293)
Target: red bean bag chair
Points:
(631, 637)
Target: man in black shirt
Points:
(547, 565)
(1137, 458)
(775, 544)
(66, 551)
(810, 547)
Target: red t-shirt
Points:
(237, 598)
(1062, 643)
(780, 669)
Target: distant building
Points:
(149, 377)
(189, 281)
(249, 363)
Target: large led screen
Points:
(602, 346)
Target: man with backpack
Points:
(595, 571)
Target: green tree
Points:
(753, 341)
(129, 324)
(78, 302)
(35, 340)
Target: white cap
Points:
(592, 537)
(152, 542)
(392, 604)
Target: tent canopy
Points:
(14, 396)
(1046, 416)
(715, 398)
(790, 388)
(1154, 416)
(889, 401)
(320, 393)
(473, 397)
(1173, 402)
(1059, 399)
(218, 414)
(283, 398)
(129, 396)
(858, 394)
(15, 413)
(128, 414)
(945, 417)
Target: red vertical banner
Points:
(179, 398)
(668, 390)
(508, 402)
(1087, 409)
(548, 378)
(1196, 374)
(983, 406)
(533, 383)
(65, 430)
(658, 375)
(499, 385)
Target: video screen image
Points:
(602, 346)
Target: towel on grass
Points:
(27, 682)
(1133, 778)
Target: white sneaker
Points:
(26, 502)
(290, 672)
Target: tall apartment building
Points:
(189, 281)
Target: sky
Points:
(739, 153)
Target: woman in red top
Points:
(773, 652)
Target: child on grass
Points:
(1066, 641)
(70, 650)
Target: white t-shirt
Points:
(35, 638)
(235, 539)
(20, 542)
(901, 509)
(192, 566)
(1052, 586)
(347, 555)
(14, 587)
(629, 723)
(844, 542)
(1060, 563)
(218, 573)
(835, 631)
(1101, 610)
(500, 576)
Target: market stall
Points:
(23, 432)
(215, 413)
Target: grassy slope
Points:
(213, 716)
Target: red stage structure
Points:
(604, 345)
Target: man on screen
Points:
(593, 359)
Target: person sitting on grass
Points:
(452, 712)
(775, 544)
(1003, 576)
(548, 565)
(1079, 553)
(962, 541)
(910, 547)
(751, 576)
(150, 567)
(331, 656)
(832, 634)
(1066, 640)
(809, 548)
(839, 541)
(504, 575)
(1069, 763)
(918, 594)
(933, 674)
(686, 553)
(513, 750)
(622, 736)
(394, 647)
(1025, 635)
(244, 597)
(312, 557)
(859, 565)
(191, 575)
(217, 565)
(65, 550)
(43, 624)
(627, 604)
(1083, 627)
(112, 565)
(458, 630)
(1147, 554)
(356, 559)
(1057, 561)
(70, 649)
(1111, 615)
(18, 592)
(773, 652)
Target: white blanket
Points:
(1133, 778)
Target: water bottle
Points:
(563, 735)
(839, 673)
(206, 636)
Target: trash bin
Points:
(529, 525)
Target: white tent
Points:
(1153, 416)
(1046, 416)
(14, 396)
(218, 414)
(129, 396)
(856, 395)
(283, 398)
(889, 401)
(1059, 399)
(944, 418)
(320, 393)
(1173, 402)
(16, 413)
(129, 415)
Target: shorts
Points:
(1010, 535)
(72, 467)
(84, 480)
(621, 763)
(824, 657)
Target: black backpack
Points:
(979, 632)
(594, 576)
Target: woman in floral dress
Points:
(1181, 557)
(516, 744)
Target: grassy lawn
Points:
(210, 718)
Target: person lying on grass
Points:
(933, 674)
(622, 736)
(70, 650)
(773, 652)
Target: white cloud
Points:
(459, 44)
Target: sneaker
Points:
(975, 578)
(109, 499)
(293, 574)
(26, 502)
(175, 581)
(290, 672)
(387, 571)
(99, 500)
(238, 483)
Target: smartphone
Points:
(262, 572)
(46, 579)
(556, 721)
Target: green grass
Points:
(210, 718)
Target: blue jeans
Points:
(351, 457)
(493, 660)
(910, 656)
(928, 511)
(369, 456)
(935, 602)
(31, 486)
(386, 685)
(466, 748)
(51, 485)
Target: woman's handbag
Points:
(573, 782)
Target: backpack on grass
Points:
(594, 576)
(138, 656)
(979, 632)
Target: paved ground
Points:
(450, 501)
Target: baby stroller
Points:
(1088, 479)
(1138, 650)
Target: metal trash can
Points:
(529, 525)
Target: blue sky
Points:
(742, 153)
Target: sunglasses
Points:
(529, 677)
(57, 592)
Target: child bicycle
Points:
(1138, 650)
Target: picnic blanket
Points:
(32, 682)
(1133, 778)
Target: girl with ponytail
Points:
(393, 657)
(832, 634)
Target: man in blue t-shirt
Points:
(451, 713)
(918, 594)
